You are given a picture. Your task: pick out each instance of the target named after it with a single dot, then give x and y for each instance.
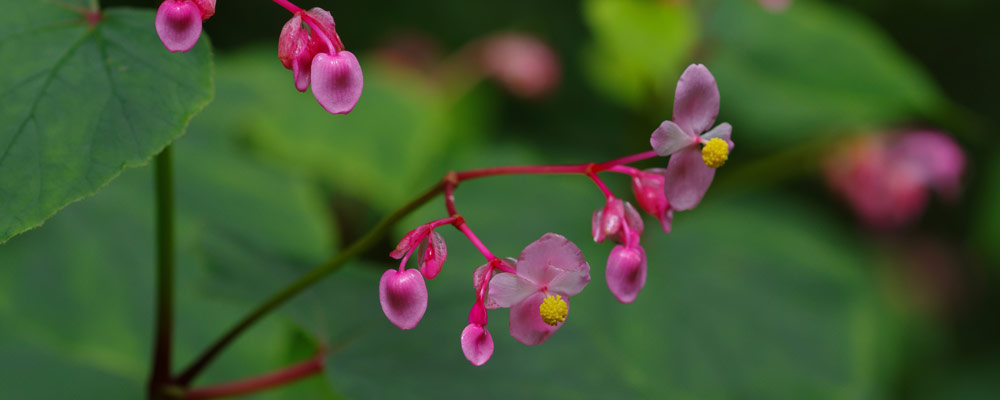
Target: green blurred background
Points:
(769, 289)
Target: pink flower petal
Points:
(569, 283)
(688, 178)
(337, 81)
(207, 8)
(666, 220)
(431, 255)
(409, 241)
(507, 289)
(547, 257)
(612, 217)
(724, 131)
(633, 219)
(595, 226)
(178, 23)
(477, 344)
(696, 102)
(668, 138)
(403, 296)
(526, 324)
(936, 157)
(626, 272)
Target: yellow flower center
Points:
(715, 153)
(553, 310)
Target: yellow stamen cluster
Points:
(715, 153)
(553, 310)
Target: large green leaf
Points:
(76, 295)
(815, 69)
(82, 102)
(750, 297)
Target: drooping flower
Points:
(403, 295)
(178, 22)
(310, 47)
(626, 272)
(477, 344)
(887, 178)
(694, 155)
(549, 271)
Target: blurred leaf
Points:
(750, 297)
(381, 152)
(80, 289)
(987, 230)
(640, 46)
(81, 103)
(815, 69)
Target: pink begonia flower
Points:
(403, 295)
(614, 220)
(886, 178)
(316, 57)
(431, 255)
(649, 188)
(524, 64)
(775, 5)
(626, 272)
(549, 271)
(178, 22)
(693, 158)
(477, 344)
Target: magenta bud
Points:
(626, 272)
(431, 255)
(477, 344)
(648, 189)
(403, 296)
(477, 315)
(178, 23)
(337, 81)
(609, 220)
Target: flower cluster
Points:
(308, 46)
(887, 178)
(538, 285)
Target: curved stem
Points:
(260, 383)
(162, 351)
(292, 8)
(355, 249)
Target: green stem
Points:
(334, 264)
(160, 375)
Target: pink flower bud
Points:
(648, 189)
(178, 22)
(477, 315)
(298, 44)
(403, 296)
(525, 65)
(409, 241)
(608, 221)
(337, 81)
(626, 272)
(477, 344)
(431, 255)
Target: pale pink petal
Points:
(696, 102)
(668, 138)
(595, 226)
(403, 296)
(724, 131)
(526, 324)
(178, 23)
(547, 257)
(569, 283)
(507, 289)
(688, 178)
(477, 344)
(626, 272)
(633, 219)
(337, 81)
(431, 255)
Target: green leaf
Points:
(987, 228)
(750, 297)
(81, 103)
(814, 70)
(640, 46)
(77, 294)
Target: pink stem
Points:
(625, 160)
(402, 263)
(476, 242)
(449, 199)
(623, 169)
(600, 184)
(316, 31)
(262, 382)
(289, 6)
(523, 169)
(441, 222)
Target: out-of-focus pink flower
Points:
(693, 158)
(178, 22)
(775, 5)
(403, 295)
(523, 64)
(886, 178)
(549, 271)
(310, 47)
